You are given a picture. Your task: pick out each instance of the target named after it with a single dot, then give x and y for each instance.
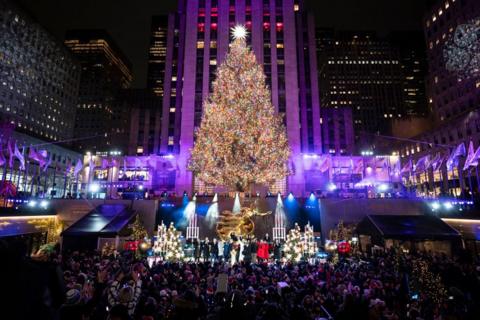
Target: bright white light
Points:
(382, 187)
(448, 205)
(290, 196)
(140, 187)
(435, 206)
(312, 197)
(239, 32)
(32, 203)
(94, 188)
(44, 204)
(331, 187)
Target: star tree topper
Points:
(239, 32)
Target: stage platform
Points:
(323, 214)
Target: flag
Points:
(39, 156)
(20, 157)
(475, 158)
(47, 164)
(10, 154)
(436, 161)
(325, 165)
(78, 167)
(422, 164)
(68, 166)
(470, 155)
(453, 159)
(407, 167)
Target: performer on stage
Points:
(262, 252)
(247, 251)
(206, 250)
(227, 247)
(277, 250)
(214, 250)
(196, 250)
(253, 249)
(240, 249)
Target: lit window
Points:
(200, 44)
(295, 7)
(139, 149)
(279, 45)
(170, 141)
(172, 110)
(213, 62)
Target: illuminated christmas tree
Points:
(293, 248)
(241, 140)
(427, 283)
(310, 246)
(160, 244)
(138, 230)
(173, 247)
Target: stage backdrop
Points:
(301, 211)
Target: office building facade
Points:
(361, 71)
(105, 71)
(39, 78)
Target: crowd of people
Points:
(89, 285)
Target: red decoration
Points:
(344, 247)
(131, 245)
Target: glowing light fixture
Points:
(94, 188)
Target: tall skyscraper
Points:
(413, 63)
(39, 78)
(363, 72)
(281, 35)
(157, 54)
(105, 70)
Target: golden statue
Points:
(241, 224)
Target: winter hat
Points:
(72, 296)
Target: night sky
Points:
(129, 21)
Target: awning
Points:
(418, 227)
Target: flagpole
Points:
(54, 176)
(470, 183)
(65, 184)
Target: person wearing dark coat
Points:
(227, 246)
(247, 253)
(196, 250)
(214, 250)
(253, 250)
(277, 250)
(205, 249)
